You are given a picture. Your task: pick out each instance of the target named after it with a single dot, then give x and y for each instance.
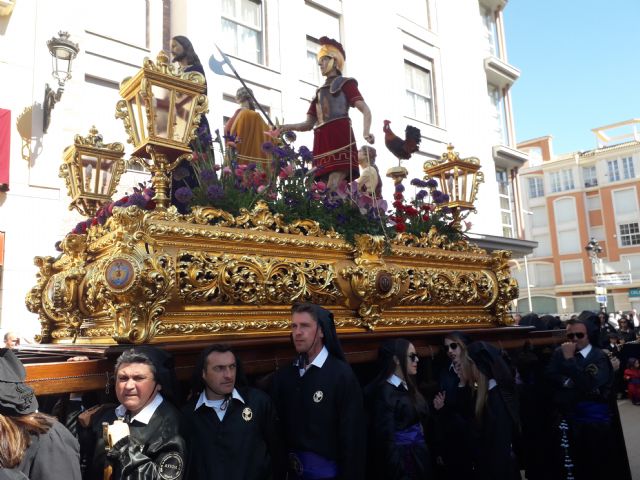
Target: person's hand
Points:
(438, 401)
(369, 138)
(568, 350)
(117, 431)
(78, 358)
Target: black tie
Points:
(579, 357)
(127, 417)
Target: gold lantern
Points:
(91, 169)
(459, 178)
(161, 108)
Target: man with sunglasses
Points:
(582, 377)
(319, 402)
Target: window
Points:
(556, 186)
(590, 177)
(572, 272)
(506, 211)
(498, 115)
(567, 180)
(562, 180)
(541, 274)
(625, 202)
(317, 22)
(629, 234)
(593, 202)
(491, 32)
(313, 72)
(614, 172)
(539, 217)
(597, 232)
(419, 92)
(566, 220)
(627, 168)
(242, 29)
(544, 245)
(536, 187)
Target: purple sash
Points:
(409, 436)
(591, 412)
(311, 466)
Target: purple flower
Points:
(268, 147)
(215, 192)
(305, 154)
(421, 194)
(251, 166)
(180, 173)
(280, 152)
(416, 182)
(399, 188)
(207, 175)
(184, 195)
(432, 183)
(290, 136)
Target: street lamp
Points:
(62, 51)
(594, 249)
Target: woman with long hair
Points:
(32, 442)
(397, 416)
(453, 412)
(495, 412)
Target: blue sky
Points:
(580, 67)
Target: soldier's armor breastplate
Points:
(331, 101)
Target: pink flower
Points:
(286, 172)
(227, 171)
(319, 187)
(262, 188)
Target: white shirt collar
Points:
(144, 415)
(585, 351)
(396, 381)
(318, 361)
(215, 404)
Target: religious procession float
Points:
(183, 262)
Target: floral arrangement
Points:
(288, 186)
(286, 183)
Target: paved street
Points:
(630, 415)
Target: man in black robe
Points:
(231, 430)
(581, 376)
(319, 402)
(138, 439)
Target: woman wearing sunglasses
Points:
(397, 416)
(454, 412)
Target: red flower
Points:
(398, 196)
(425, 217)
(426, 208)
(398, 204)
(400, 227)
(94, 222)
(409, 210)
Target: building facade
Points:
(571, 199)
(438, 65)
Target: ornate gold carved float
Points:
(160, 276)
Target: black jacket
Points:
(51, 455)
(323, 412)
(245, 445)
(391, 410)
(152, 451)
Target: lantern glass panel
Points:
(184, 107)
(163, 110)
(104, 180)
(89, 165)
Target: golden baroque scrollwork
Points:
(434, 239)
(507, 287)
(376, 285)
(223, 279)
(438, 286)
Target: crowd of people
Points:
(486, 415)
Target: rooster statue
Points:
(402, 149)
